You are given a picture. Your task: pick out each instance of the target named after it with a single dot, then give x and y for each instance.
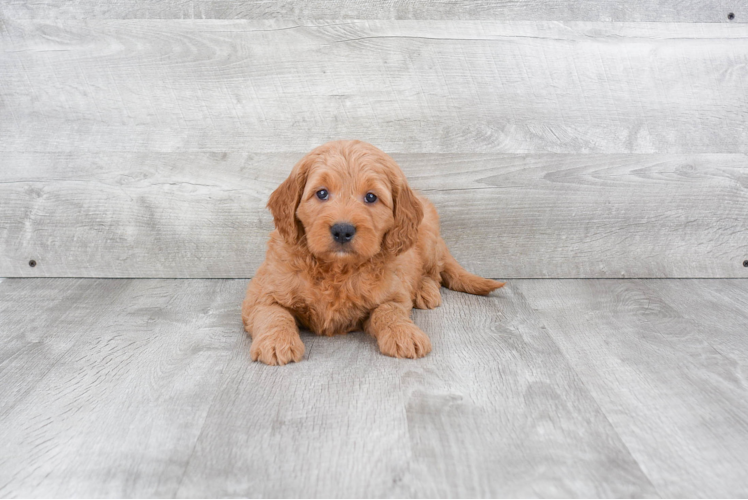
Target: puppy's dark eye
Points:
(322, 194)
(370, 198)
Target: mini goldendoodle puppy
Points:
(354, 247)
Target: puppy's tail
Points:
(456, 278)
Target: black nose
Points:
(343, 233)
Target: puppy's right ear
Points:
(285, 200)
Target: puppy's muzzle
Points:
(343, 232)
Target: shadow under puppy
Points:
(354, 247)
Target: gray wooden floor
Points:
(547, 388)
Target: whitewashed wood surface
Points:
(406, 86)
(666, 361)
(526, 10)
(503, 216)
(547, 388)
(147, 148)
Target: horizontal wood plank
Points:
(407, 86)
(503, 216)
(504, 10)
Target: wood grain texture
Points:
(158, 397)
(109, 382)
(493, 411)
(658, 360)
(718, 310)
(497, 388)
(504, 216)
(407, 86)
(504, 10)
(143, 388)
(40, 321)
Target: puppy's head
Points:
(347, 201)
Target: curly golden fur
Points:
(396, 260)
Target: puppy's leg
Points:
(429, 294)
(275, 336)
(396, 334)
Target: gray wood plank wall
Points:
(406, 86)
(559, 145)
(706, 11)
(202, 214)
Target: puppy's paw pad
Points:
(404, 341)
(278, 348)
(428, 295)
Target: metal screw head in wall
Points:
(745, 263)
(32, 263)
(731, 16)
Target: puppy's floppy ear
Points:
(285, 200)
(408, 216)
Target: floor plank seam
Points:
(582, 382)
(212, 404)
(52, 366)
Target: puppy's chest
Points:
(331, 308)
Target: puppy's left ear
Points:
(285, 200)
(408, 216)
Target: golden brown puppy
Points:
(354, 247)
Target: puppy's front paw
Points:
(404, 340)
(277, 348)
